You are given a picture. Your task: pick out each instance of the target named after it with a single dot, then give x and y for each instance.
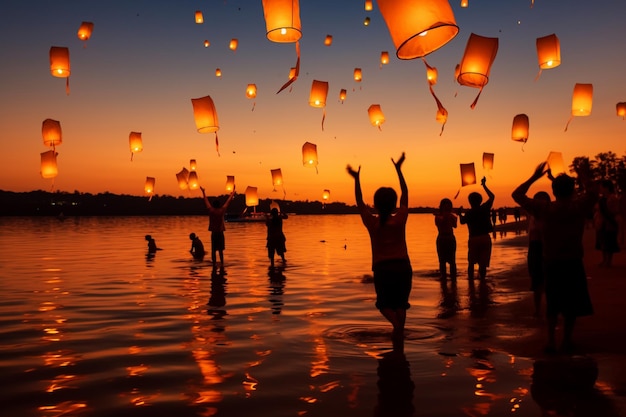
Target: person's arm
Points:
(358, 194)
(491, 196)
(519, 194)
(204, 197)
(404, 197)
(229, 199)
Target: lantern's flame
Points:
(424, 33)
(549, 63)
(283, 31)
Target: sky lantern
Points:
(277, 177)
(218, 72)
(49, 164)
(555, 163)
(60, 64)
(342, 95)
(198, 17)
(84, 32)
(384, 58)
(375, 113)
(521, 125)
(149, 186)
(205, 115)
(282, 25)
(234, 43)
(358, 75)
(317, 97)
(207, 43)
(582, 99)
(368, 5)
(366, 21)
(487, 161)
(51, 133)
(418, 28)
(328, 40)
(252, 197)
(230, 183)
(251, 93)
(309, 155)
(480, 52)
(621, 109)
(326, 195)
(464, 3)
(193, 164)
(548, 53)
(135, 143)
(183, 178)
(468, 176)
(192, 181)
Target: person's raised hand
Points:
(398, 164)
(352, 172)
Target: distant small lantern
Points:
(277, 177)
(205, 116)
(376, 116)
(49, 164)
(464, 3)
(198, 17)
(384, 58)
(555, 163)
(84, 31)
(468, 174)
(520, 129)
(480, 52)
(60, 64)
(218, 72)
(548, 52)
(309, 155)
(251, 93)
(193, 180)
(252, 196)
(368, 5)
(207, 43)
(418, 28)
(51, 133)
(183, 177)
(234, 43)
(342, 95)
(149, 186)
(230, 183)
(358, 75)
(621, 109)
(318, 95)
(487, 161)
(328, 40)
(582, 100)
(326, 195)
(135, 143)
(366, 21)
(193, 164)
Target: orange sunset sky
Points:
(146, 60)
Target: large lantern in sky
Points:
(621, 109)
(548, 52)
(51, 133)
(84, 31)
(309, 155)
(192, 181)
(252, 196)
(183, 177)
(60, 64)
(487, 161)
(230, 183)
(520, 128)
(468, 174)
(205, 116)
(555, 163)
(198, 17)
(376, 116)
(480, 52)
(282, 25)
(582, 100)
(418, 28)
(318, 95)
(277, 177)
(49, 164)
(135, 143)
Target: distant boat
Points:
(246, 217)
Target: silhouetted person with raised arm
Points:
(563, 227)
(275, 236)
(197, 247)
(478, 220)
(217, 225)
(390, 259)
(446, 222)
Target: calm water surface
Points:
(90, 326)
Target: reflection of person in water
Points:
(276, 289)
(217, 300)
(395, 386)
(449, 299)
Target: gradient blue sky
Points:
(146, 60)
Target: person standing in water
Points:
(217, 225)
(275, 236)
(390, 259)
(446, 222)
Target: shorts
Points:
(479, 250)
(392, 281)
(446, 249)
(218, 242)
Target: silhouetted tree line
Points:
(605, 165)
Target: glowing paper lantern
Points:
(218, 72)
(582, 100)
(207, 43)
(193, 180)
(183, 178)
(487, 161)
(60, 64)
(418, 28)
(149, 186)
(621, 109)
(548, 52)
(192, 164)
(328, 40)
(282, 25)
(135, 143)
(317, 96)
(292, 73)
(85, 30)
(480, 52)
(441, 117)
(51, 132)
(519, 131)
(468, 174)
(198, 17)
(326, 195)
(375, 113)
(342, 95)
(277, 177)
(205, 116)
(309, 154)
(384, 58)
(252, 197)
(366, 21)
(230, 183)
(234, 43)
(368, 5)
(464, 3)
(556, 164)
(49, 164)
(251, 91)
(358, 75)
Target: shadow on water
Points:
(395, 385)
(276, 288)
